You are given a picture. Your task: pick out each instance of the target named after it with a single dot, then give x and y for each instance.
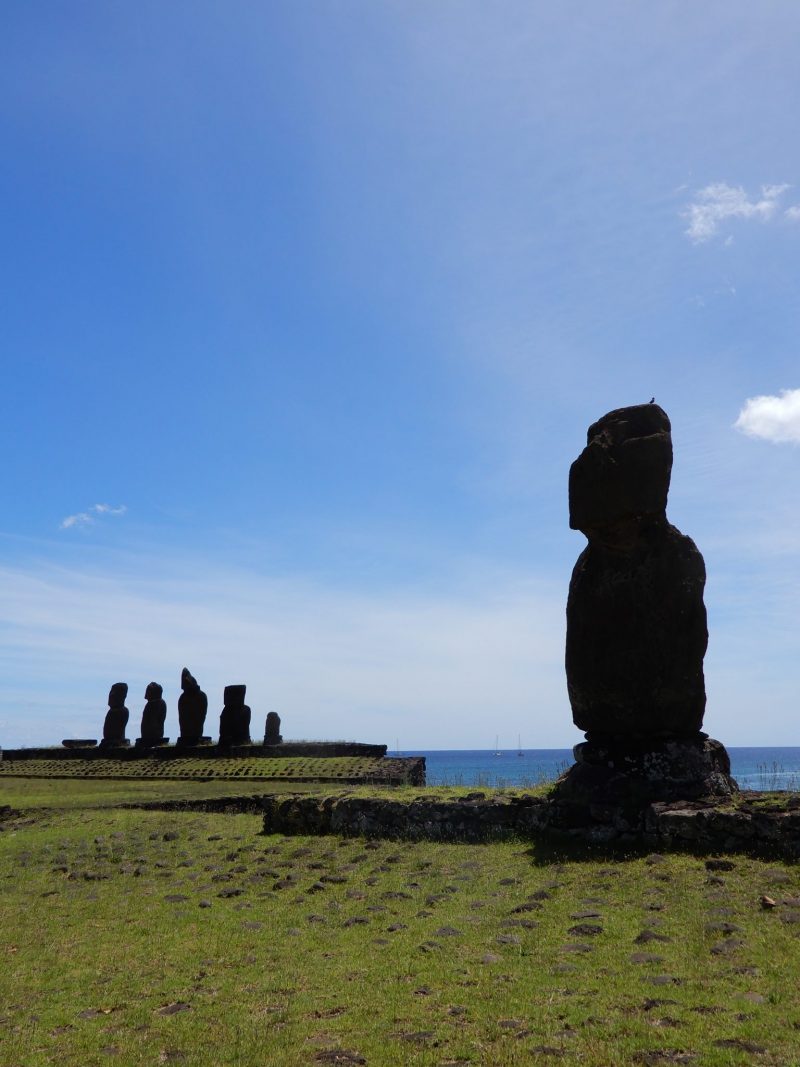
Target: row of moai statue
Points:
(234, 721)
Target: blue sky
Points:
(306, 310)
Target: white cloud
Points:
(719, 202)
(81, 519)
(86, 518)
(793, 213)
(108, 509)
(775, 418)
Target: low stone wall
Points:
(707, 826)
(472, 819)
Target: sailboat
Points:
(519, 746)
(497, 751)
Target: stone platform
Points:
(636, 771)
(287, 749)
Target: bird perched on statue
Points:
(652, 400)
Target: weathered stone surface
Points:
(637, 771)
(636, 621)
(272, 730)
(154, 714)
(234, 722)
(701, 825)
(116, 717)
(192, 709)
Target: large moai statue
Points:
(636, 621)
(192, 710)
(153, 717)
(234, 722)
(116, 717)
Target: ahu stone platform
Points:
(88, 749)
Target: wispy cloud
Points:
(793, 213)
(774, 418)
(81, 518)
(719, 202)
(424, 665)
(87, 518)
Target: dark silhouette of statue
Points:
(192, 709)
(636, 621)
(116, 717)
(272, 730)
(154, 714)
(636, 625)
(234, 722)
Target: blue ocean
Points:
(753, 768)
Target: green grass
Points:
(71, 793)
(103, 793)
(412, 953)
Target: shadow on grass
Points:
(547, 851)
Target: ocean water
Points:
(753, 768)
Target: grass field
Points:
(146, 937)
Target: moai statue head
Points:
(117, 695)
(153, 691)
(621, 479)
(234, 696)
(189, 683)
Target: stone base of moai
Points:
(647, 769)
(151, 742)
(193, 742)
(79, 742)
(115, 742)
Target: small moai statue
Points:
(192, 709)
(154, 715)
(116, 717)
(234, 722)
(272, 730)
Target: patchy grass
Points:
(768, 802)
(134, 937)
(72, 793)
(103, 793)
